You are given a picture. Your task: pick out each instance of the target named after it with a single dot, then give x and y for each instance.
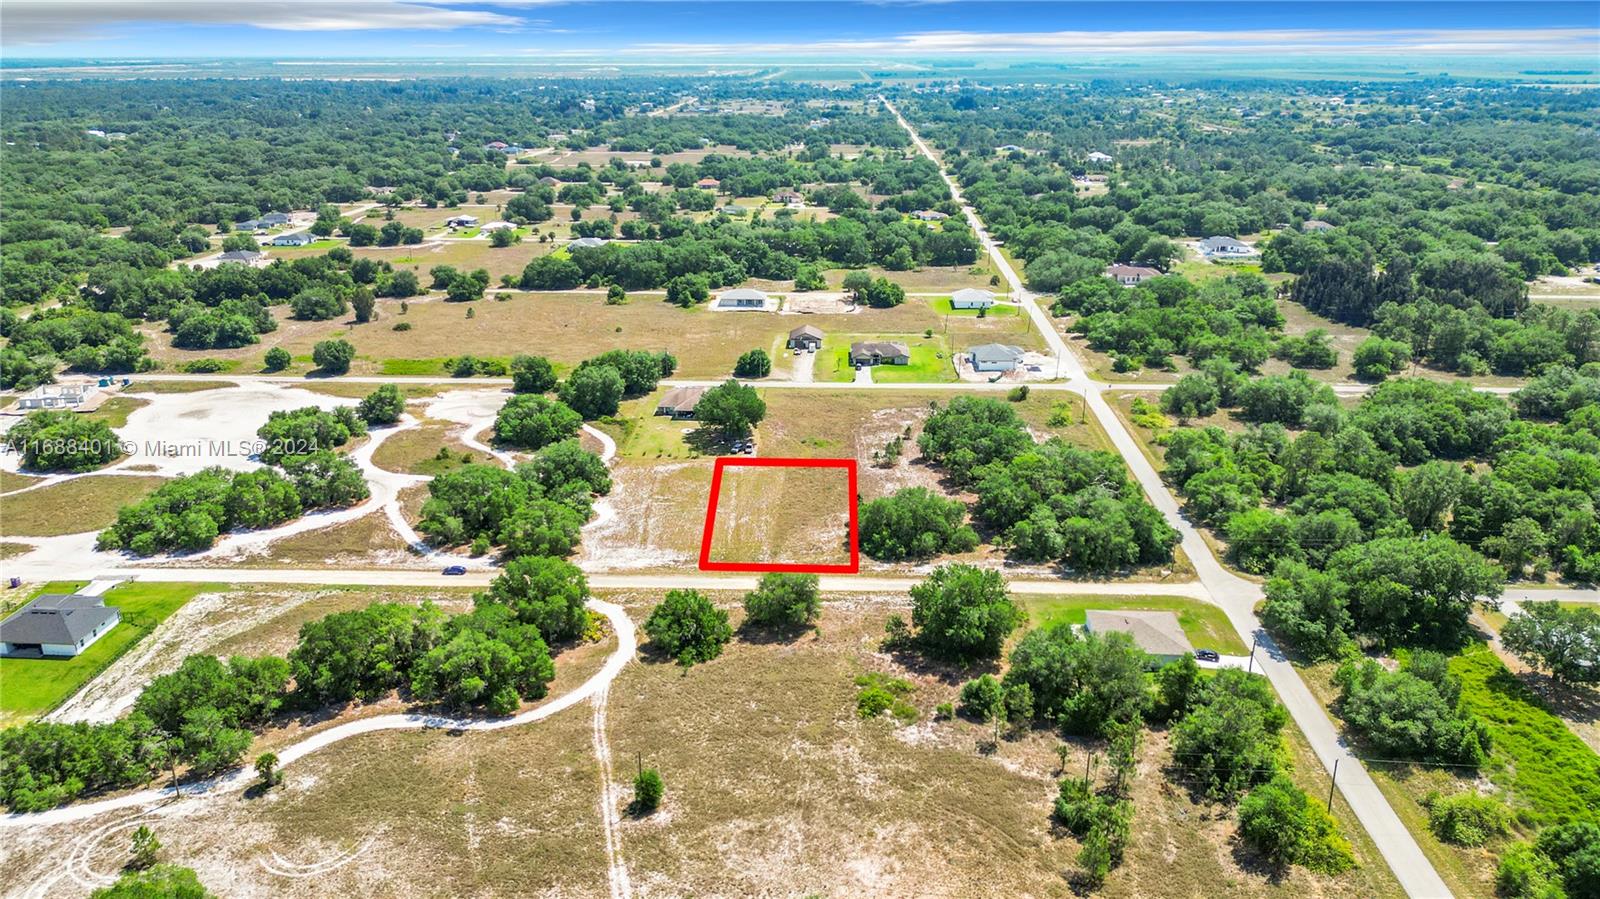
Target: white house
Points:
(296, 239)
(1226, 247)
(57, 625)
(995, 357)
(1099, 158)
(56, 396)
(929, 215)
(742, 298)
(498, 226)
(971, 298)
(587, 243)
(1129, 275)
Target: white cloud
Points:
(48, 21)
(1573, 41)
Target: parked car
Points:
(456, 569)
(1207, 655)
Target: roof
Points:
(588, 242)
(294, 237)
(743, 293)
(240, 256)
(971, 295)
(1157, 633)
(462, 218)
(1098, 156)
(681, 399)
(996, 352)
(498, 226)
(1315, 225)
(1218, 243)
(806, 331)
(1142, 271)
(878, 348)
(56, 618)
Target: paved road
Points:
(1235, 595)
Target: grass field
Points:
(10, 480)
(788, 515)
(930, 359)
(32, 687)
(176, 386)
(72, 507)
(115, 411)
(416, 451)
(1205, 625)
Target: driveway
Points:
(803, 368)
(863, 375)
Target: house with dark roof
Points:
(242, 257)
(550, 181)
(995, 357)
(274, 219)
(1310, 225)
(879, 352)
(708, 184)
(1157, 633)
(461, 221)
(56, 625)
(1129, 275)
(805, 337)
(680, 402)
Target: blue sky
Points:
(733, 30)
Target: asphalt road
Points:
(1235, 595)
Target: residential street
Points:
(1235, 595)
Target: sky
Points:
(745, 31)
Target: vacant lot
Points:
(73, 506)
(790, 515)
(33, 687)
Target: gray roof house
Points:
(929, 215)
(805, 337)
(680, 402)
(57, 625)
(879, 352)
(1316, 225)
(1157, 633)
(1129, 275)
(296, 239)
(1098, 156)
(971, 298)
(461, 221)
(273, 219)
(742, 298)
(995, 357)
(1225, 246)
(245, 257)
(587, 243)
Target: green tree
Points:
(1563, 641)
(1290, 828)
(267, 769)
(783, 600)
(593, 392)
(532, 374)
(157, 882)
(333, 357)
(731, 407)
(857, 284)
(914, 523)
(962, 613)
(146, 849)
(753, 364)
(647, 791)
(364, 305)
(278, 359)
(532, 421)
(687, 627)
(383, 406)
(545, 592)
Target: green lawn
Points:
(930, 360)
(32, 687)
(1205, 625)
(942, 306)
(1543, 764)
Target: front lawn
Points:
(942, 306)
(930, 360)
(33, 687)
(1205, 625)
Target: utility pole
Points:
(1250, 666)
(1331, 783)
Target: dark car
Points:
(1207, 655)
(456, 569)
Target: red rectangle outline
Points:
(849, 465)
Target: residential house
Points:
(56, 396)
(57, 625)
(1008, 148)
(274, 219)
(995, 357)
(1157, 633)
(296, 239)
(1315, 225)
(971, 298)
(550, 181)
(680, 402)
(929, 215)
(788, 196)
(708, 184)
(461, 221)
(243, 257)
(742, 298)
(498, 226)
(1226, 247)
(587, 243)
(495, 145)
(1099, 158)
(805, 337)
(1129, 275)
(879, 352)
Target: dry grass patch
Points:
(791, 515)
(417, 450)
(74, 506)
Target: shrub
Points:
(686, 626)
(1467, 819)
(333, 356)
(383, 406)
(532, 374)
(206, 366)
(401, 326)
(1526, 873)
(648, 790)
(783, 600)
(880, 693)
(733, 408)
(594, 391)
(278, 359)
(62, 441)
(962, 613)
(981, 698)
(1018, 393)
(1291, 828)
